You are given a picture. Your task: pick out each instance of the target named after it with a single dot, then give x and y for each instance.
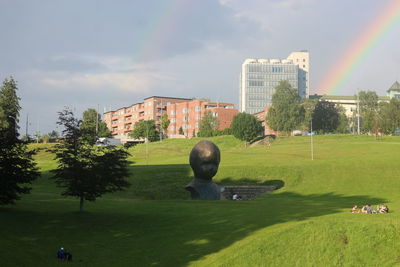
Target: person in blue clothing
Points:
(61, 254)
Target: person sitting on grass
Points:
(61, 254)
(355, 209)
(366, 209)
(383, 209)
(236, 197)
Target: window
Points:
(197, 108)
(149, 104)
(173, 112)
(173, 120)
(197, 125)
(184, 110)
(198, 117)
(185, 118)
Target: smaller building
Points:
(394, 90)
(261, 117)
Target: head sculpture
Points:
(204, 160)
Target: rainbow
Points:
(358, 51)
(166, 20)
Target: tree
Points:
(325, 117)
(17, 167)
(368, 109)
(165, 123)
(286, 113)
(180, 131)
(208, 125)
(343, 125)
(145, 129)
(246, 127)
(84, 170)
(93, 127)
(53, 136)
(389, 115)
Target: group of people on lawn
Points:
(368, 209)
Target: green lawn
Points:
(305, 223)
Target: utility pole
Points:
(97, 120)
(312, 144)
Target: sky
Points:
(109, 54)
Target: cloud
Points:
(125, 81)
(268, 14)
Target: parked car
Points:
(105, 141)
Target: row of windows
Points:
(186, 118)
(258, 97)
(258, 103)
(184, 126)
(186, 110)
(256, 83)
(268, 85)
(259, 90)
(263, 68)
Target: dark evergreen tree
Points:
(180, 131)
(325, 117)
(17, 167)
(84, 170)
(246, 127)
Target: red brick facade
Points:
(182, 112)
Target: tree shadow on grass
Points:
(152, 233)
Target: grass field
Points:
(305, 223)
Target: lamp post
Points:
(311, 134)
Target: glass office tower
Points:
(259, 77)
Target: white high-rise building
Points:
(259, 77)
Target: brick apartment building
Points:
(182, 112)
(188, 115)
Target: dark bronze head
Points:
(204, 160)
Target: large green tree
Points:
(286, 112)
(246, 127)
(17, 167)
(145, 129)
(84, 170)
(208, 125)
(93, 127)
(389, 116)
(325, 117)
(368, 109)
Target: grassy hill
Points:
(305, 223)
